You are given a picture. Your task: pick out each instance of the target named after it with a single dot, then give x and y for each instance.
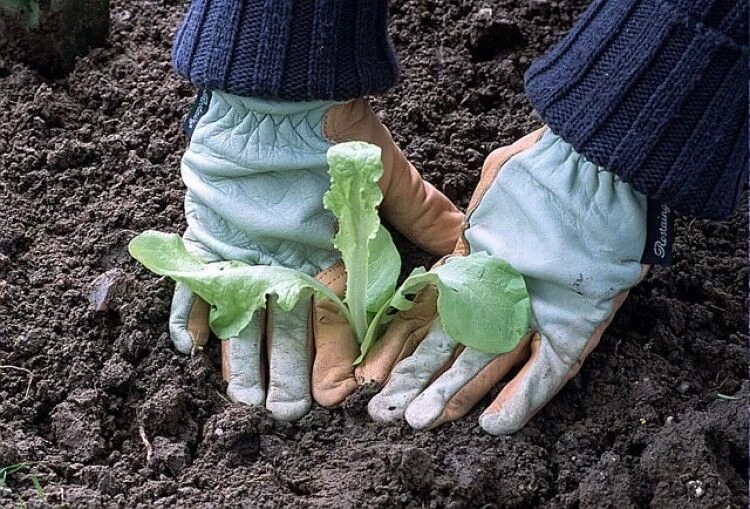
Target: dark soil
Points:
(657, 416)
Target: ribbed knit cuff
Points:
(657, 92)
(295, 50)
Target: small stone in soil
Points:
(107, 289)
(683, 387)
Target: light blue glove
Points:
(256, 173)
(577, 234)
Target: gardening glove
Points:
(256, 172)
(576, 233)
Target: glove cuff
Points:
(638, 85)
(295, 50)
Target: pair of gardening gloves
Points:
(256, 172)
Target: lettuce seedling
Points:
(371, 259)
(482, 301)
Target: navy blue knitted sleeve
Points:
(657, 92)
(287, 49)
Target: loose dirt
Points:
(109, 415)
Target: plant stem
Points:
(356, 291)
(370, 335)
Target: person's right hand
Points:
(256, 172)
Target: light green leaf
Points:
(234, 289)
(355, 169)
(383, 268)
(482, 302)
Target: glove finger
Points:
(404, 333)
(411, 375)
(543, 375)
(336, 348)
(550, 365)
(241, 363)
(288, 360)
(456, 391)
(188, 320)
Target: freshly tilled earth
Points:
(104, 413)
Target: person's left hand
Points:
(576, 233)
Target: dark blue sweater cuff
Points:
(295, 50)
(657, 92)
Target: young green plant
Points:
(482, 301)
(371, 259)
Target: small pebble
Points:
(107, 288)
